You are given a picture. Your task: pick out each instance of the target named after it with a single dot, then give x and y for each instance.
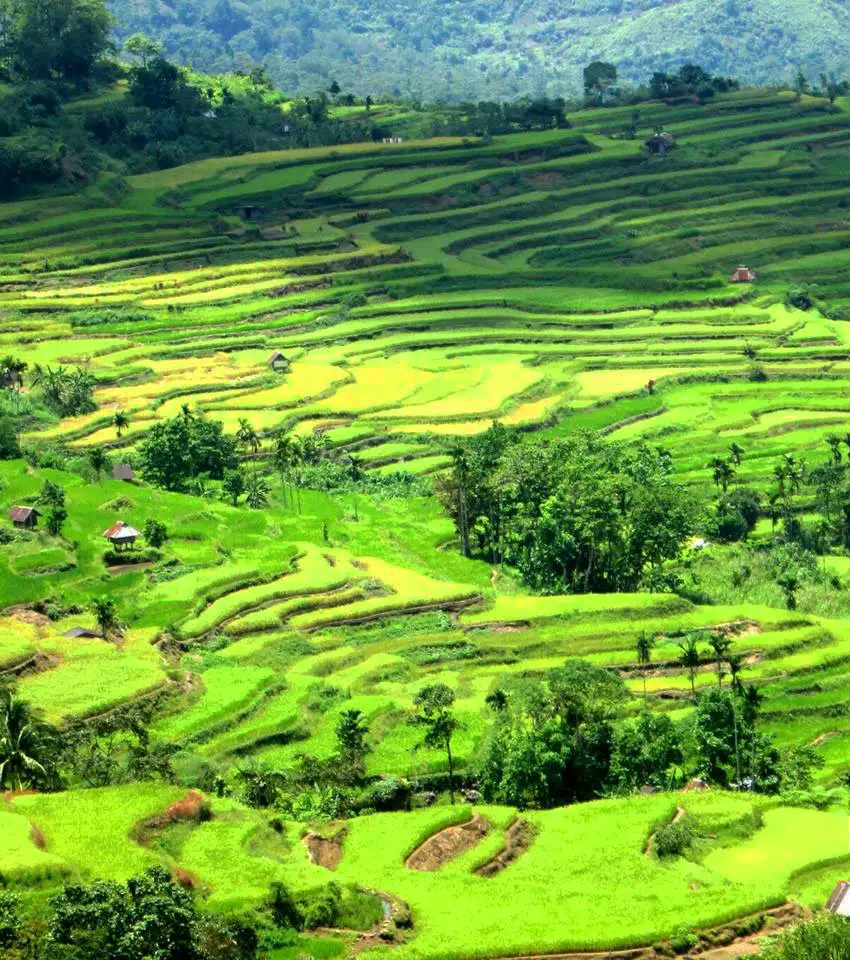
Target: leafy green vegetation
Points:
(357, 491)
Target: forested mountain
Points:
(492, 48)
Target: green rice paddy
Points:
(420, 291)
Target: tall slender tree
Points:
(120, 421)
(433, 710)
(690, 659)
(643, 646)
(720, 645)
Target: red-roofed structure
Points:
(742, 275)
(121, 534)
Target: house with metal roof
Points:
(123, 471)
(839, 899)
(121, 535)
(659, 143)
(25, 518)
(278, 362)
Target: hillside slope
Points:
(499, 49)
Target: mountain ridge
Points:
(498, 50)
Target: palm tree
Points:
(752, 705)
(736, 665)
(247, 437)
(690, 659)
(722, 472)
(283, 457)
(644, 645)
(736, 454)
(356, 476)
(24, 741)
(720, 645)
(120, 421)
(107, 619)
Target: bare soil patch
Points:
(518, 839)
(324, 851)
(447, 844)
(25, 615)
(191, 808)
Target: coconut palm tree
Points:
(736, 665)
(284, 457)
(24, 744)
(643, 646)
(736, 454)
(120, 421)
(720, 645)
(690, 659)
(247, 436)
(722, 472)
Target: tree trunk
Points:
(737, 752)
(451, 770)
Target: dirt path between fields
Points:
(650, 842)
(446, 844)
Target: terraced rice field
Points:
(596, 847)
(421, 290)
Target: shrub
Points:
(10, 921)
(673, 839)
(823, 938)
(118, 558)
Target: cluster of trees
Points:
(64, 40)
(178, 452)
(148, 916)
(691, 80)
(827, 85)
(338, 787)
(575, 515)
(67, 393)
(797, 487)
(554, 740)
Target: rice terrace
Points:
(431, 542)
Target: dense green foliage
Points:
(148, 916)
(496, 50)
(577, 515)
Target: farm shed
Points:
(249, 211)
(123, 471)
(839, 899)
(121, 534)
(82, 632)
(278, 362)
(659, 143)
(24, 517)
(742, 275)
